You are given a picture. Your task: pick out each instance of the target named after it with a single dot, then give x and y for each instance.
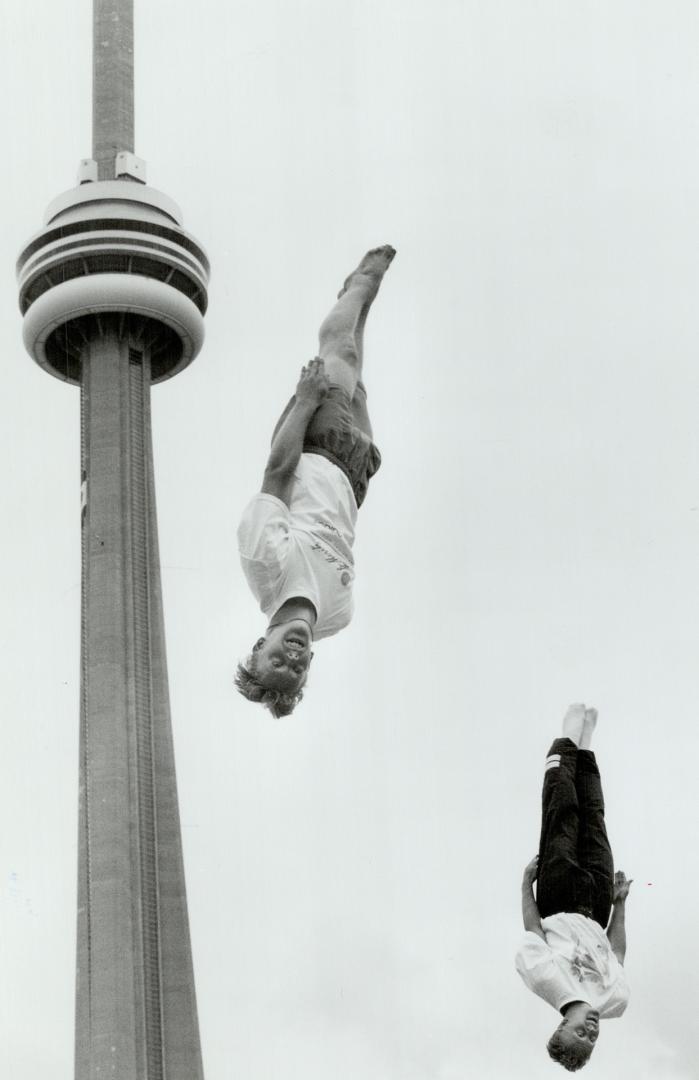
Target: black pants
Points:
(576, 869)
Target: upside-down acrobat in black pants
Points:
(576, 868)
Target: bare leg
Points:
(341, 334)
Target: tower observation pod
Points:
(113, 294)
(113, 252)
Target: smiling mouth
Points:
(298, 642)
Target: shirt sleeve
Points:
(263, 532)
(535, 963)
(619, 999)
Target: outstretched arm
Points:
(530, 911)
(616, 931)
(288, 442)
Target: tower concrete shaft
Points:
(112, 83)
(113, 292)
(136, 1013)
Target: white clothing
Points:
(304, 549)
(575, 963)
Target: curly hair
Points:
(571, 1058)
(276, 701)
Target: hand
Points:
(313, 383)
(531, 871)
(622, 884)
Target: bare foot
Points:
(573, 723)
(370, 270)
(589, 725)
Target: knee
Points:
(340, 348)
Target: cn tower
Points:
(113, 292)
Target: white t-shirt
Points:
(575, 963)
(305, 549)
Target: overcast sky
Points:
(533, 372)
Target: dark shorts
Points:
(333, 434)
